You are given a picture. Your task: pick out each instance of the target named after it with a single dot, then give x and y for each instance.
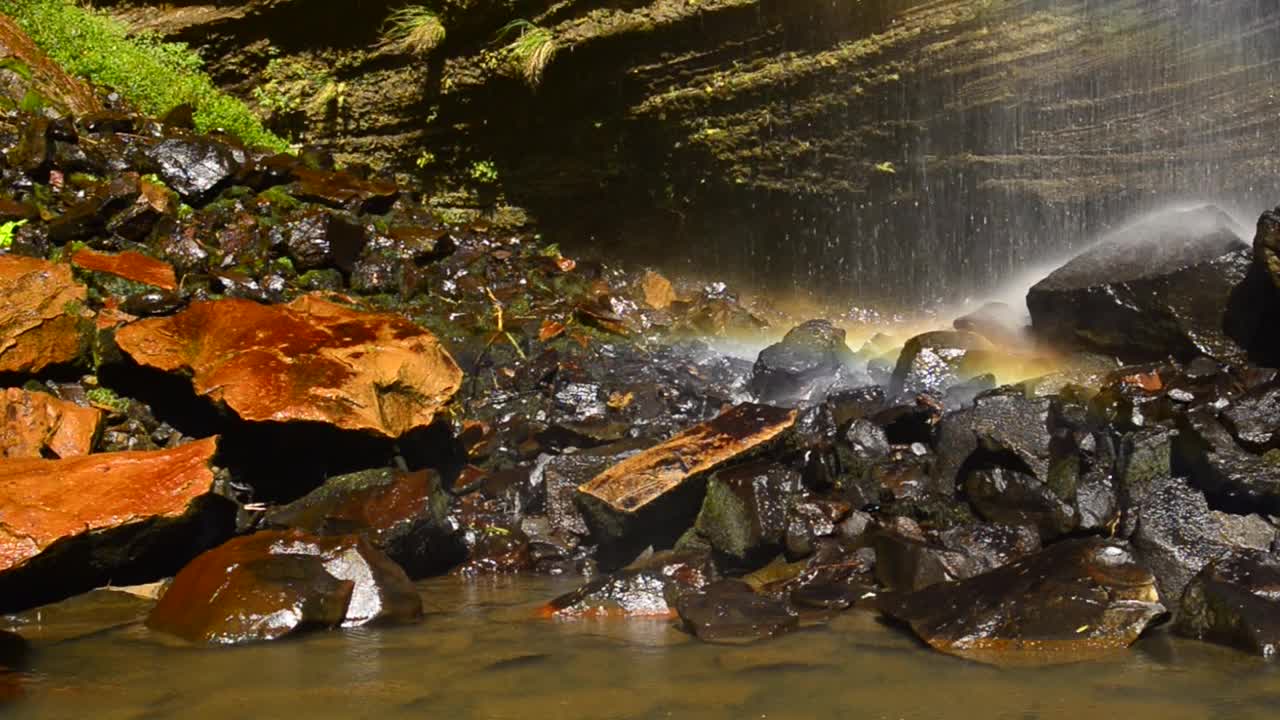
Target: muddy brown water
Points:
(483, 653)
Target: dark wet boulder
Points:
(730, 611)
(88, 217)
(909, 558)
(1254, 419)
(343, 190)
(1146, 465)
(806, 362)
(1068, 602)
(273, 583)
(809, 520)
(935, 361)
(648, 588)
(497, 550)
(1235, 600)
(561, 475)
(744, 512)
(404, 514)
(1158, 288)
(1001, 493)
(846, 406)
(318, 238)
(997, 322)
(195, 167)
(1177, 534)
(1002, 429)
(1234, 478)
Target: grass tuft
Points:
(415, 29)
(154, 75)
(532, 49)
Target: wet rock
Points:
(1005, 494)
(651, 497)
(908, 558)
(1154, 289)
(933, 362)
(1254, 419)
(88, 218)
(128, 265)
(310, 360)
(273, 583)
(195, 167)
(562, 475)
(997, 322)
(319, 238)
(805, 362)
(846, 406)
(657, 291)
(1068, 602)
(35, 424)
(1266, 246)
(729, 611)
(1177, 534)
(497, 550)
(1003, 429)
(744, 512)
(343, 191)
(1235, 600)
(809, 521)
(40, 307)
(404, 514)
(648, 588)
(1147, 465)
(67, 526)
(1233, 477)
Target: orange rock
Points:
(33, 422)
(310, 360)
(658, 292)
(129, 265)
(40, 322)
(52, 82)
(44, 501)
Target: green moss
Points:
(156, 76)
(106, 398)
(7, 231)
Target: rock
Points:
(729, 611)
(67, 526)
(909, 559)
(343, 191)
(1266, 246)
(32, 424)
(651, 497)
(933, 362)
(744, 512)
(1177, 534)
(1157, 288)
(1234, 478)
(195, 167)
(562, 475)
(319, 238)
(657, 291)
(404, 514)
(88, 218)
(1254, 419)
(1007, 495)
(273, 583)
(998, 323)
(40, 308)
(310, 360)
(647, 588)
(846, 406)
(1234, 601)
(805, 362)
(810, 520)
(1146, 466)
(48, 80)
(129, 265)
(497, 550)
(1002, 429)
(1068, 602)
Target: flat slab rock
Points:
(40, 314)
(1074, 600)
(309, 360)
(33, 423)
(128, 265)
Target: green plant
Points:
(415, 29)
(532, 49)
(155, 75)
(484, 171)
(295, 85)
(6, 233)
(425, 159)
(107, 399)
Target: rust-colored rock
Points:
(647, 497)
(129, 265)
(657, 290)
(67, 526)
(40, 306)
(310, 360)
(50, 81)
(32, 423)
(272, 583)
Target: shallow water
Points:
(482, 653)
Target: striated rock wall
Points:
(903, 149)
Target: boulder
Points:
(321, 238)
(647, 588)
(1070, 601)
(650, 498)
(128, 265)
(195, 167)
(806, 362)
(40, 315)
(744, 513)
(730, 611)
(1254, 419)
(343, 190)
(309, 360)
(273, 583)
(935, 361)
(67, 526)
(404, 514)
(33, 424)
(1234, 478)
(1234, 601)
(1002, 429)
(1157, 288)
(908, 558)
(1266, 246)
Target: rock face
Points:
(67, 526)
(1070, 601)
(32, 424)
(272, 583)
(310, 360)
(653, 495)
(405, 515)
(1234, 601)
(1158, 288)
(40, 323)
(805, 362)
